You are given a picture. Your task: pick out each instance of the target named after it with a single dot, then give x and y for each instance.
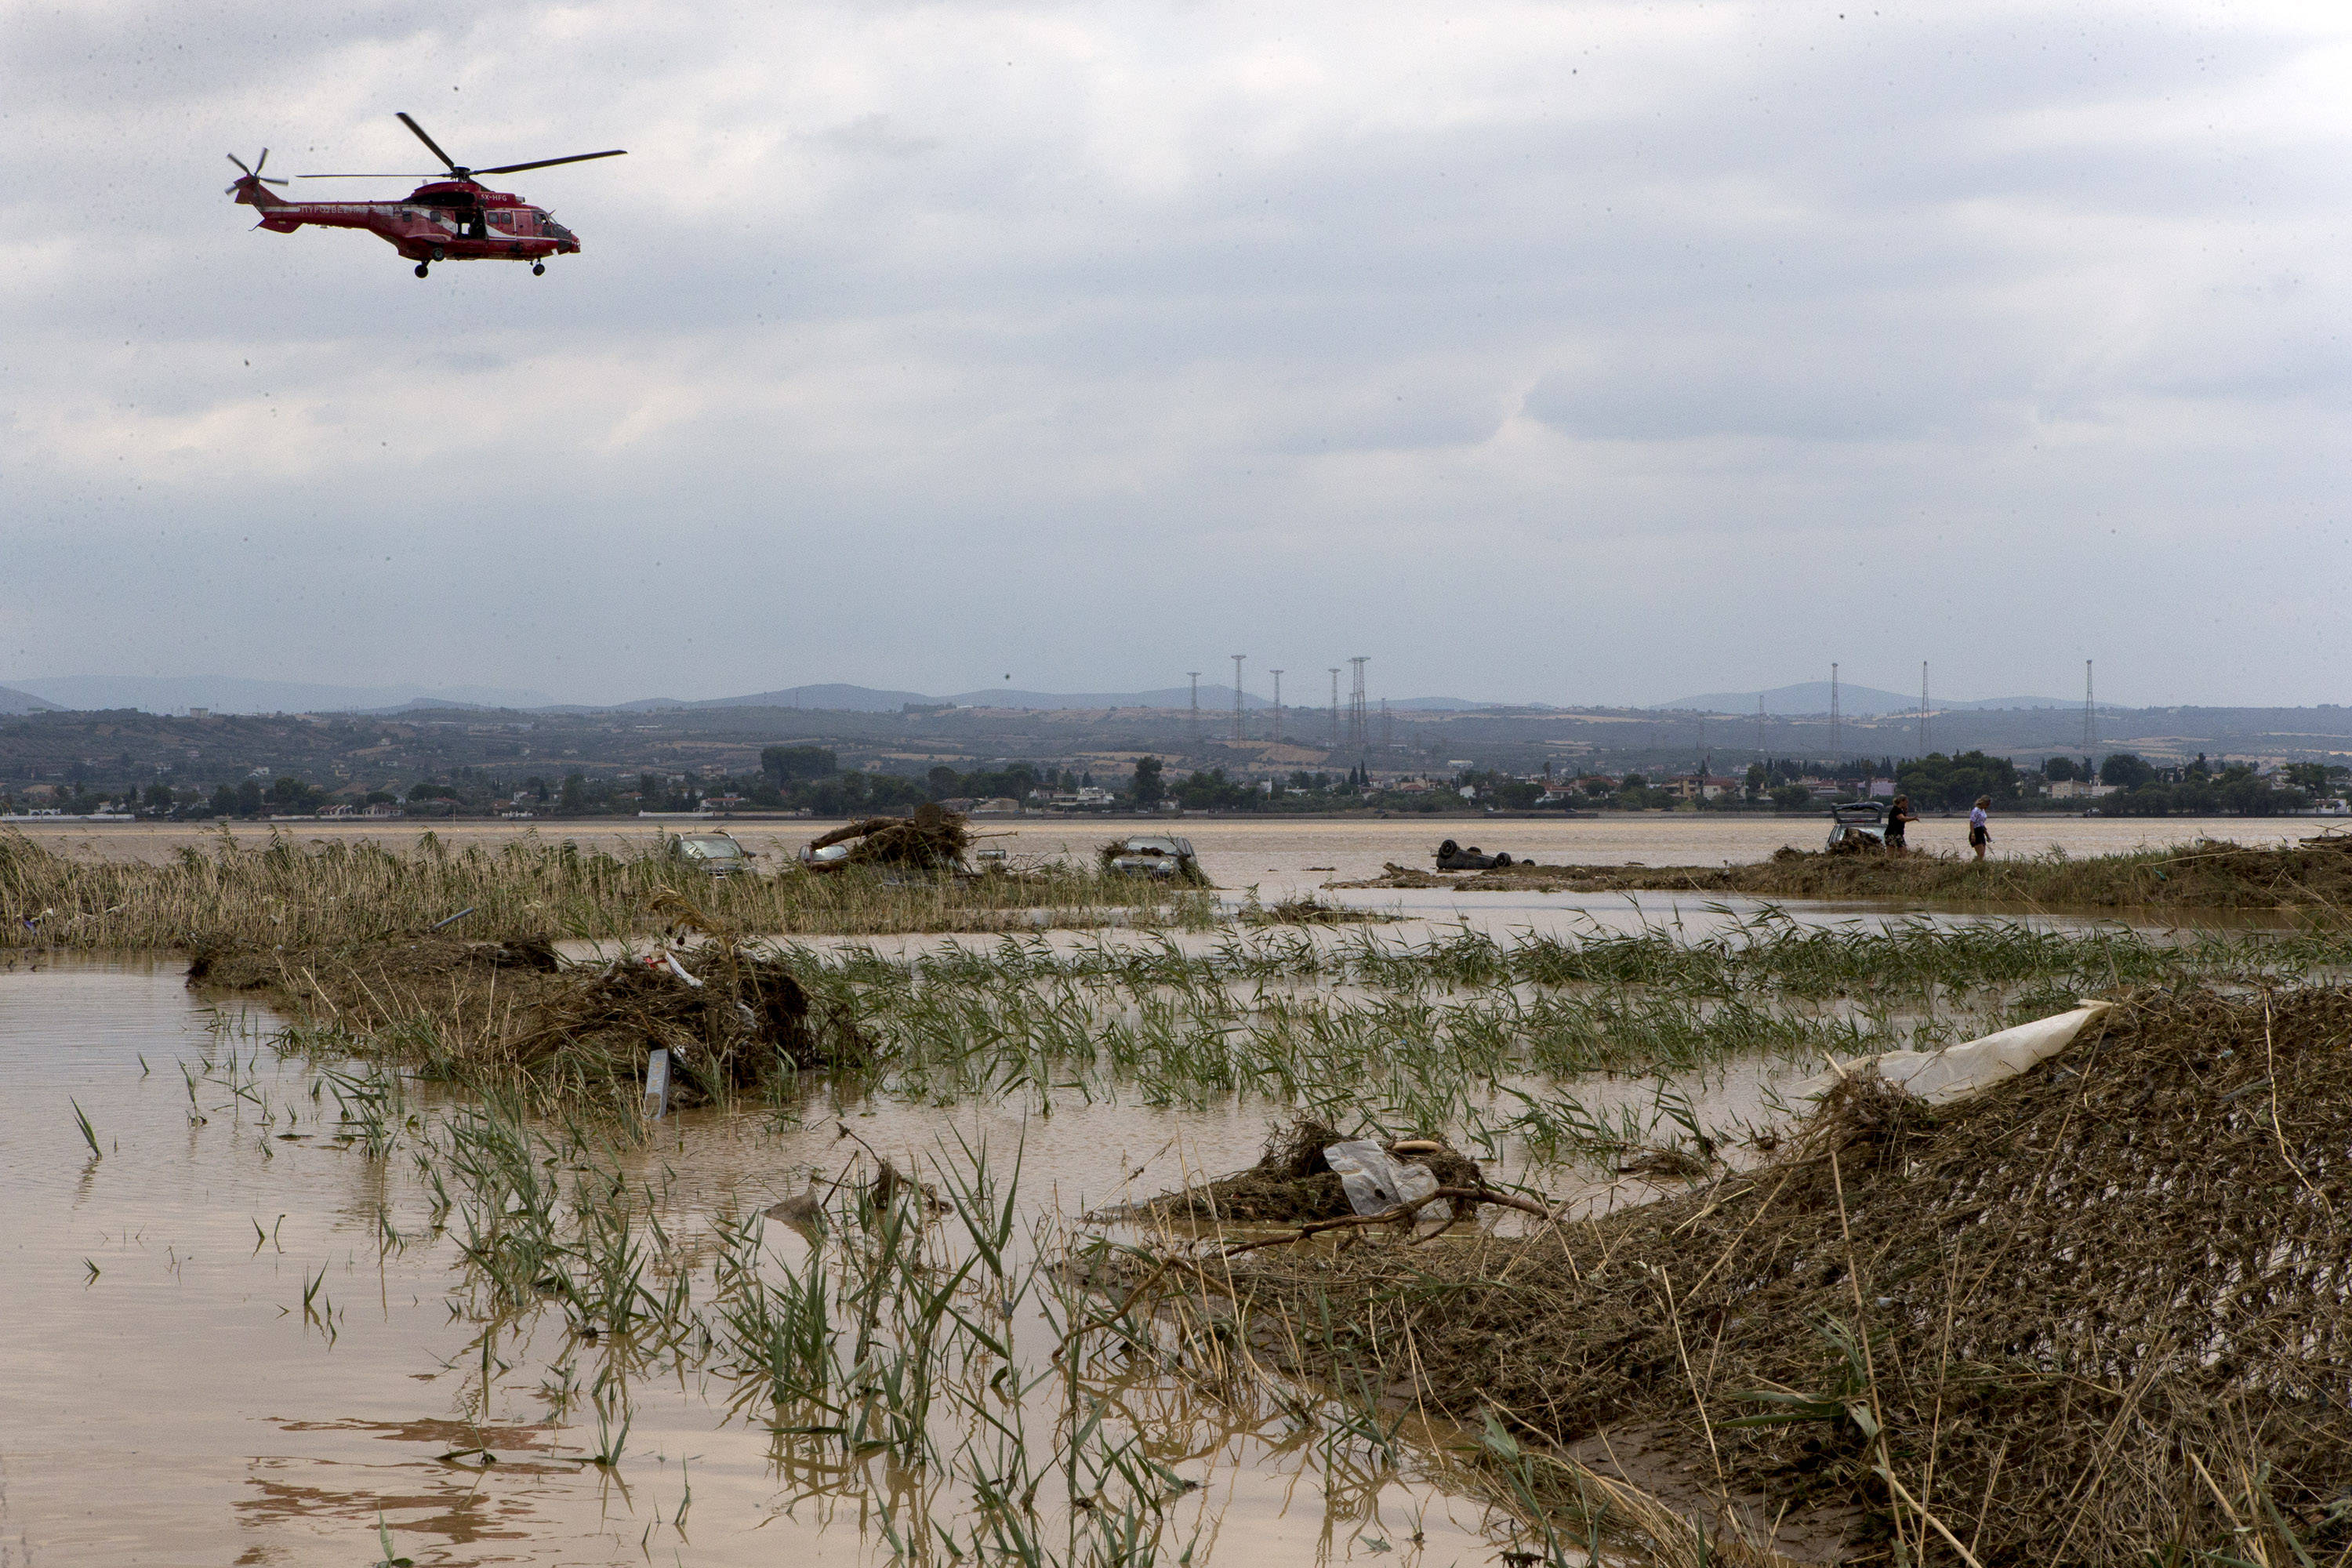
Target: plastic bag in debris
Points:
(1377, 1181)
(1957, 1071)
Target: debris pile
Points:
(1293, 1181)
(730, 1018)
(933, 839)
(2097, 1312)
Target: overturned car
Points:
(1451, 857)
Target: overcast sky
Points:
(1575, 352)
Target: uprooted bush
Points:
(2097, 1314)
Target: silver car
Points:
(717, 853)
(1160, 855)
(1857, 826)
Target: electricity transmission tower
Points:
(1277, 707)
(1834, 711)
(1237, 694)
(2089, 731)
(1356, 736)
(1922, 707)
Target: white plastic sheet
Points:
(1958, 1071)
(1377, 1181)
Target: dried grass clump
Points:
(2097, 1315)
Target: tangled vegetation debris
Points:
(931, 840)
(731, 1019)
(2095, 1314)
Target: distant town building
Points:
(1698, 786)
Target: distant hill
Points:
(1219, 699)
(868, 699)
(1861, 702)
(14, 701)
(831, 695)
(233, 694)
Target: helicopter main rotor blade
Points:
(435, 176)
(550, 162)
(427, 140)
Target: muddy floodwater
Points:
(235, 1337)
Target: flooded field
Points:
(321, 1265)
(240, 1336)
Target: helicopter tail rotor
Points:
(252, 174)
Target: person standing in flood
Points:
(1979, 834)
(1898, 818)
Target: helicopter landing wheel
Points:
(423, 268)
(538, 269)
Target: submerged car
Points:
(717, 853)
(1857, 826)
(1160, 855)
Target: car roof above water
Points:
(1145, 844)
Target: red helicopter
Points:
(456, 219)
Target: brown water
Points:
(166, 1396)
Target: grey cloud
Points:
(1632, 307)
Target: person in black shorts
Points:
(1898, 818)
(1979, 834)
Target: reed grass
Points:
(285, 893)
(2313, 876)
